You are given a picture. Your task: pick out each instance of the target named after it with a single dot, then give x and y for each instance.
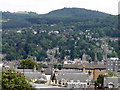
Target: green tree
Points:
(12, 80)
(59, 67)
(100, 80)
(27, 64)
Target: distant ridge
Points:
(76, 12)
(65, 15)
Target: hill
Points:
(17, 20)
(75, 12)
(74, 31)
(65, 15)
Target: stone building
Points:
(91, 68)
(112, 82)
(113, 65)
(71, 78)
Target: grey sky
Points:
(45, 6)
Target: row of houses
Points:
(74, 75)
(69, 78)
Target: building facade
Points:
(71, 79)
(94, 70)
(113, 65)
(112, 82)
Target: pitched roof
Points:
(69, 71)
(94, 66)
(72, 76)
(86, 65)
(47, 71)
(36, 75)
(72, 66)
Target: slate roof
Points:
(94, 66)
(71, 66)
(36, 75)
(82, 77)
(69, 71)
(86, 65)
(47, 71)
(30, 74)
(113, 80)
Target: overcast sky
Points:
(45, 6)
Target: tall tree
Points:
(13, 80)
(27, 64)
